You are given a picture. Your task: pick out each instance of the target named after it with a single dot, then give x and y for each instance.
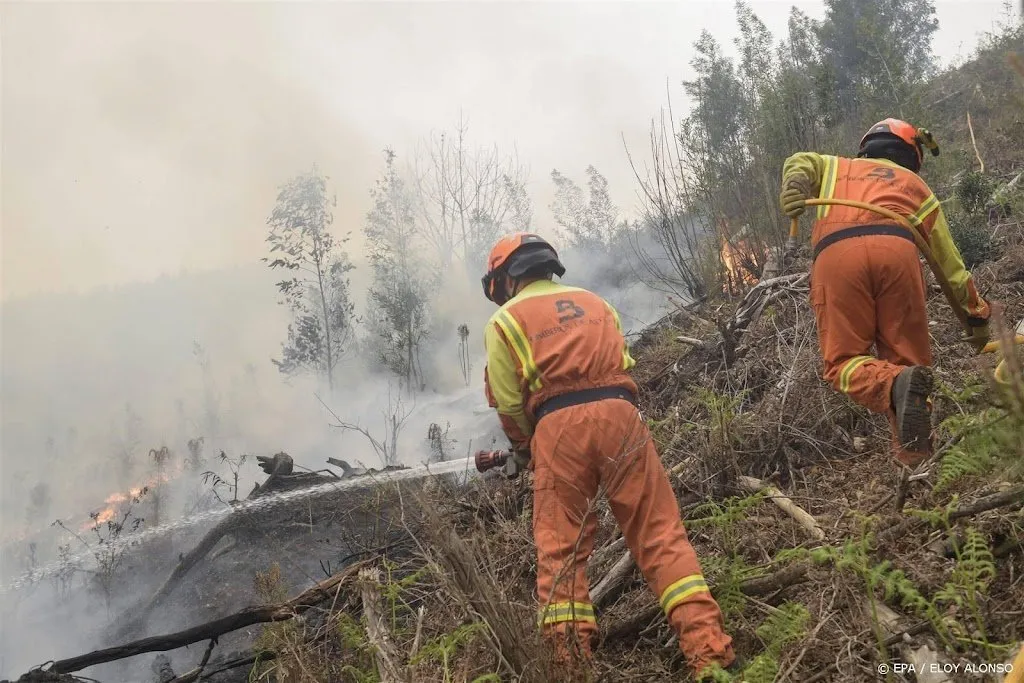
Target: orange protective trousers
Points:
(870, 291)
(577, 451)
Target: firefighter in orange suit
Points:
(867, 284)
(558, 374)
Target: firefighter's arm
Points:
(627, 360)
(503, 385)
(952, 265)
(802, 178)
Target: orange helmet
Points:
(879, 140)
(515, 255)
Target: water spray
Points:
(254, 505)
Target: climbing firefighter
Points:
(867, 284)
(557, 373)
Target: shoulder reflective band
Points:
(514, 333)
(927, 206)
(627, 360)
(828, 183)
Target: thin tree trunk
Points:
(327, 327)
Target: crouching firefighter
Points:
(867, 284)
(558, 374)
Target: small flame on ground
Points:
(116, 500)
(733, 257)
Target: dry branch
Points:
(194, 674)
(385, 653)
(801, 516)
(479, 592)
(213, 629)
(927, 662)
(607, 588)
(974, 144)
(238, 662)
(1013, 496)
(616, 576)
(894, 639)
(690, 340)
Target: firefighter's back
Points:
(871, 181)
(568, 339)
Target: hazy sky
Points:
(141, 139)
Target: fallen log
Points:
(213, 629)
(801, 516)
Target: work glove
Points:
(517, 463)
(979, 336)
(795, 194)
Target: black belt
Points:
(862, 231)
(575, 398)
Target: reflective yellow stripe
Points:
(926, 208)
(681, 590)
(558, 612)
(514, 333)
(627, 360)
(848, 370)
(828, 185)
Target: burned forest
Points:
(248, 377)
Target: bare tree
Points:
(467, 197)
(395, 416)
(671, 214)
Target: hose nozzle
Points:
(487, 460)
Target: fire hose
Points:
(929, 257)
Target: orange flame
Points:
(737, 274)
(116, 500)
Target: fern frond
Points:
(785, 626)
